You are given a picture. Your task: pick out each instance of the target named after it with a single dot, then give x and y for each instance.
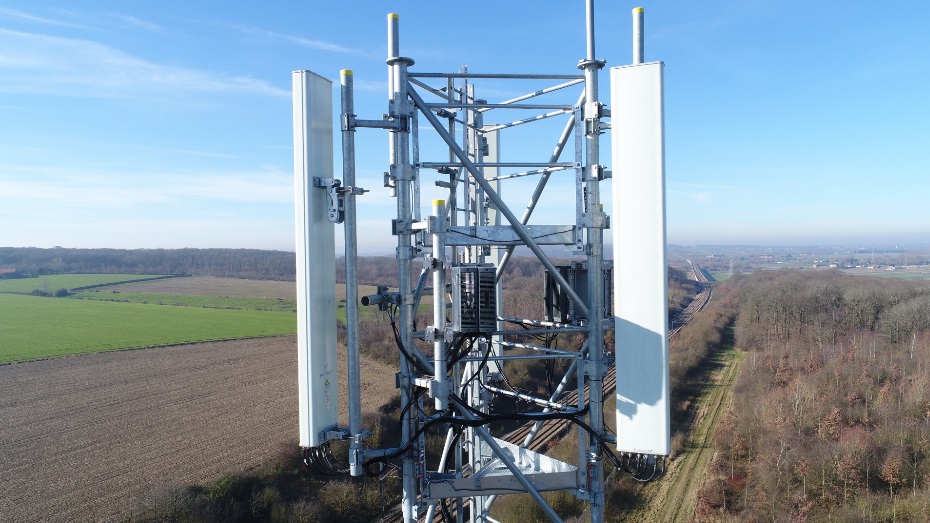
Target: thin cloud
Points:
(43, 64)
(19, 15)
(319, 45)
(66, 188)
(136, 22)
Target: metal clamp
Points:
(596, 220)
(582, 64)
(356, 191)
(594, 172)
(404, 227)
(431, 263)
(403, 172)
(593, 110)
(335, 202)
(335, 433)
(348, 122)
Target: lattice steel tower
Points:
(457, 250)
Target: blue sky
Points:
(145, 125)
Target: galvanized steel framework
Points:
(465, 233)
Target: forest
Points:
(831, 412)
(225, 263)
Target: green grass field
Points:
(54, 282)
(184, 300)
(35, 327)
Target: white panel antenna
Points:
(640, 274)
(316, 258)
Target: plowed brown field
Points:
(92, 438)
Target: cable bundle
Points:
(320, 460)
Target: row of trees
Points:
(227, 263)
(831, 411)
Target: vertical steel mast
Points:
(401, 175)
(595, 221)
(464, 243)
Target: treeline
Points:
(225, 263)
(831, 411)
(252, 264)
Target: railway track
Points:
(698, 303)
(556, 429)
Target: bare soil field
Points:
(96, 437)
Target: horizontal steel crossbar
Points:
(505, 235)
(500, 76)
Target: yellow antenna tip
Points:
(347, 72)
(393, 15)
(638, 9)
(439, 202)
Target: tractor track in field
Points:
(673, 499)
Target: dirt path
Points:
(673, 498)
(94, 438)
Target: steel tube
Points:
(542, 331)
(435, 165)
(526, 397)
(476, 105)
(468, 359)
(351, 263)
(538, 323)
(638, 38)
(420, 288)
(540, 186)
(542, 92)
(538, 349)
(583, 480)
(501, 206)
(524, 121)
(441, 387)
(427, 87)
(595, 249)
(559, 389)
(499, 76)
(399, 150)
(525, 173)
(517, 473)
(431, 510)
